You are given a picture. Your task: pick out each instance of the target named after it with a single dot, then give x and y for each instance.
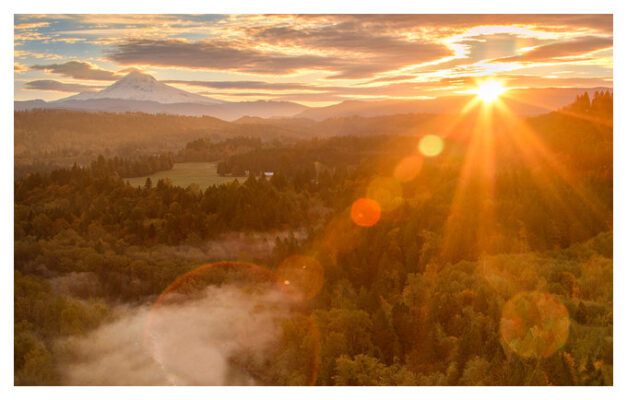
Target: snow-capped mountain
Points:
(139, 92)
(138, 86)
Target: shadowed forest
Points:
(412, 249)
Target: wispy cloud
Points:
(56, 86)
(562, 49)
(17, 67)
(348, 57)
(31, 25)
(329, 55)
(246, 85)
(213, 55)
(78, 70)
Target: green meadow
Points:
(184, 174)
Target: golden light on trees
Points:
(387, 192)
(304, 274)
(408, 168)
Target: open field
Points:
(184, 174)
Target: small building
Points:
(268, 174)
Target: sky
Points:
(311, 59)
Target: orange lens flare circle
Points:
(365, 212)
(534, 324)
(268, 298)
(408, 168)
(303, 273)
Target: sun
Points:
(490, 90)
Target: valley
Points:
(406, 269)
(353, 199)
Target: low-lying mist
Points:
(180, 342)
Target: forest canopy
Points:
(462, 270)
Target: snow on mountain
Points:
(139, 92)
(138, 86)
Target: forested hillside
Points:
(49, 139)
(486, 263)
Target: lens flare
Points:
(365, 212)
(221, 307)
(431, 145)
(340, 236)
(408, 168)
(534, 324)
(386, 192)
(304, 274)
(498, 277)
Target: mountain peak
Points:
(137, 75)
(140, 86)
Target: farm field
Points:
(184, 174)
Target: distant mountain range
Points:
(523, 102)
(137, 86)
(139, 92)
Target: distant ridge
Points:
(140, 92)
(523, 102)
(139, 86)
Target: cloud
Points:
(31, 25)
(365, 51)
(557, 22)
(374, 51)
(22, 37)
(78, 70)
(212, 55)
(245, 85)
(17, 67)
(261, 88)
(520, 81)
(561, 49)
(346, 46)
(56, 86)
(391, 78)
(406, 86)
(296, 97)
(346, 37)
(183, 342)
(70, 40)
(554, 81)
(23, 54)
(341, 57)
